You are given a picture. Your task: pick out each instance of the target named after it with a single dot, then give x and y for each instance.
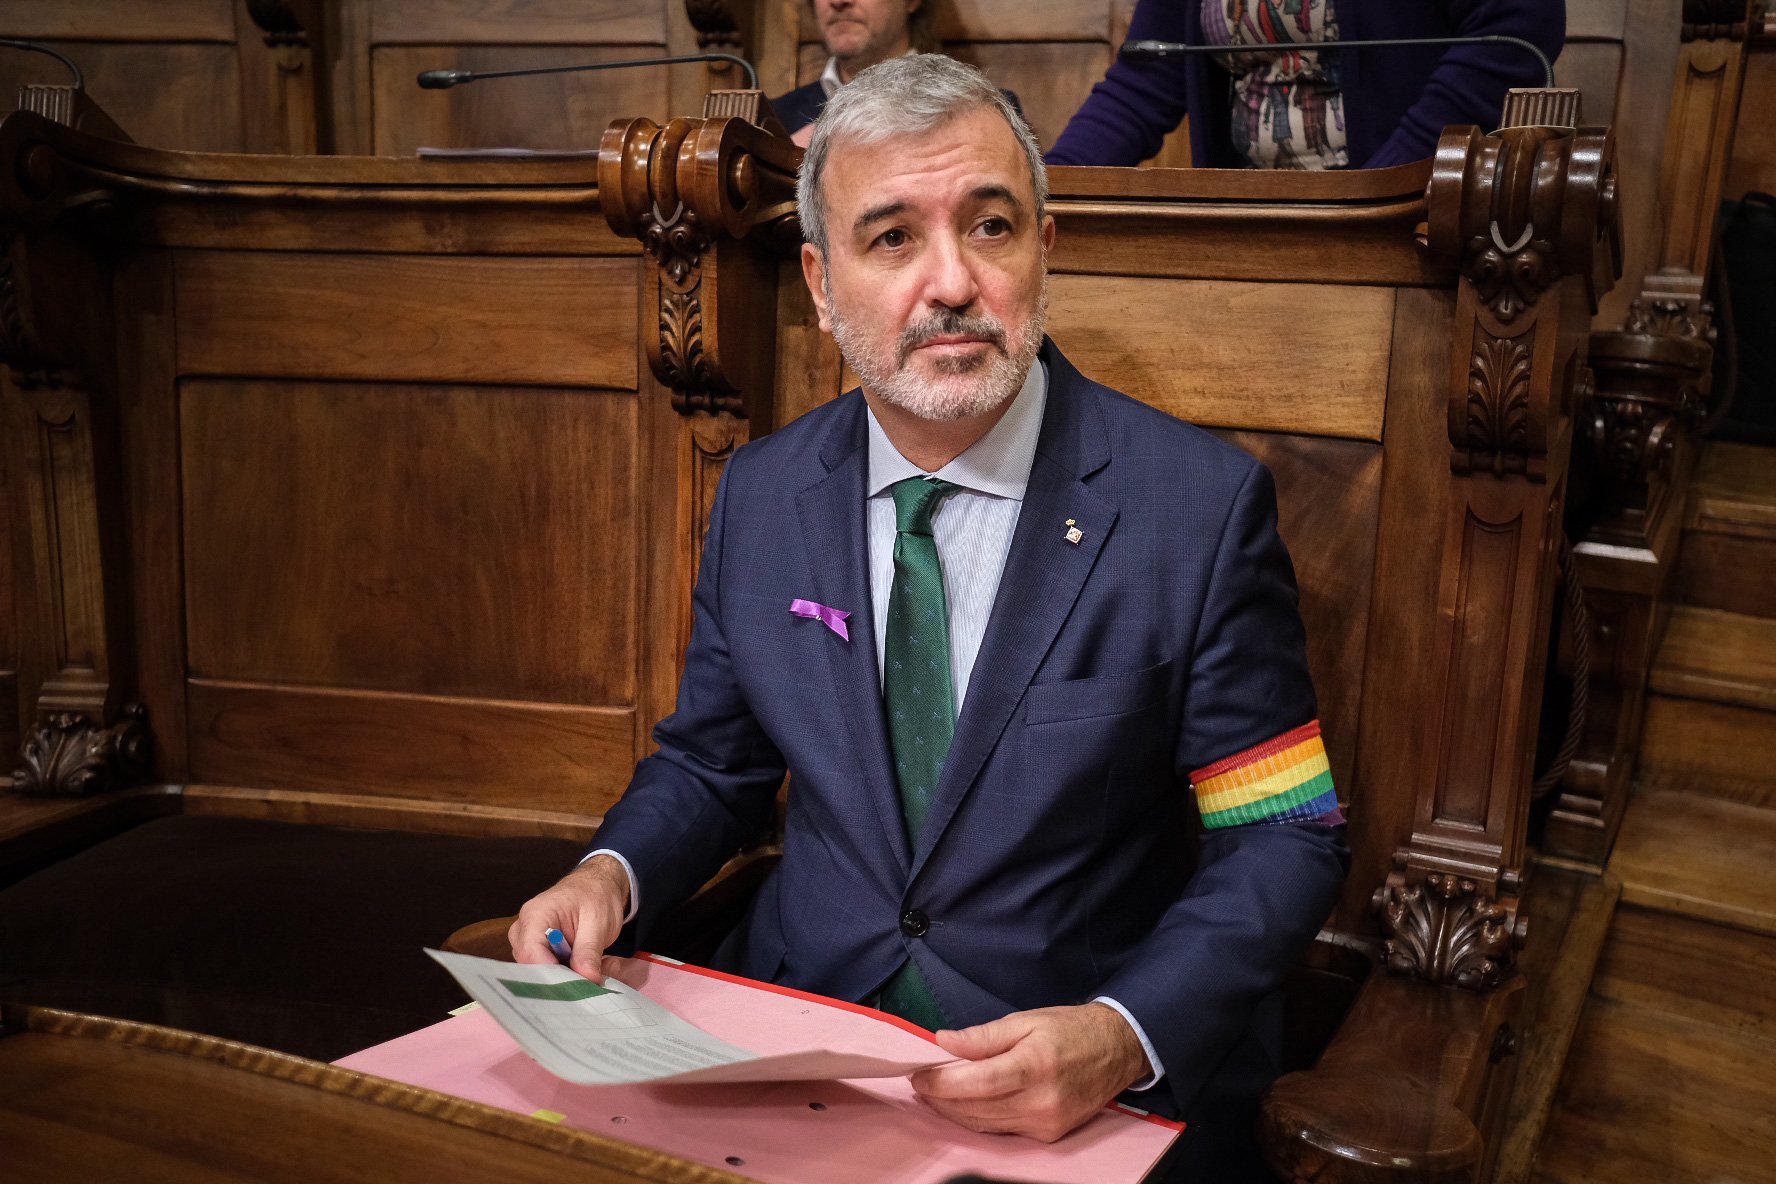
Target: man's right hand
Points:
(587, 904)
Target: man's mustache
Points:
(949, 323)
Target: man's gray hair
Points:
(899, 96)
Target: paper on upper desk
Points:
(614, 1035)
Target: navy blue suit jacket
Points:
(1058, 861)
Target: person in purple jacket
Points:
(1273, 102)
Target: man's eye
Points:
(892, 238)
(994, 227)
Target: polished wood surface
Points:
(1718, 1126)
(1700, 856)
(243, 1113)
(1720, 656)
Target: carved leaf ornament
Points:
(1498, 397)
(68, 755)
(1443, 930)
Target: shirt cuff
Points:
(635, 888)
(1153, 1078)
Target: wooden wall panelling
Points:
(1128, 328)
(444, 540)
(465, 343)
(199, 75)
(280, 76)
(382, 44)
(396, 584)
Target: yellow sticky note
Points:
(548, 1115)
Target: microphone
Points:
(64, 59)
(1165, 49)
(445, 79)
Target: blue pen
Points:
(558, 943)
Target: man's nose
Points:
(949, 278)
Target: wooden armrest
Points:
(1401, 1091)
(691, 932)
(482, 939)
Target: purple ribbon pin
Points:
(832, 618)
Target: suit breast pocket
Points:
(1107, 695)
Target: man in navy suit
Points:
(1017, 637)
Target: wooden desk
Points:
(88, 1098)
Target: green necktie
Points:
(919, 698)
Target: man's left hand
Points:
(1038, 1073)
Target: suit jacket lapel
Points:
(1043, 575)
(834, 524)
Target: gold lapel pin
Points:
(1074, 534)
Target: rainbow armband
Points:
(1284, 779)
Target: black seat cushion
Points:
(306, 939)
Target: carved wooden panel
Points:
(557, 321)
(435, 540)
(1129, 333)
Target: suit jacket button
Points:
(913, 923)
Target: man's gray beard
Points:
(965, 387)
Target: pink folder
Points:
(862, 1132)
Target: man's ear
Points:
(814, 272)
(1048, 233)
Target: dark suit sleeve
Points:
(1469, 82)
(709, 788)
(1128, 115)
(1262, 890)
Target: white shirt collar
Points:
(998, 463)
(829, 77)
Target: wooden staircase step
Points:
(1700, 857)
(1717, 749)
(1734, 491)
(1721, 657)
(1720, 974)
(1727, 571)
(1711, 1119)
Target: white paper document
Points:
(611, 1034)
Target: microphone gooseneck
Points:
(445, 79)
(1164, 49)
(64, 59)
